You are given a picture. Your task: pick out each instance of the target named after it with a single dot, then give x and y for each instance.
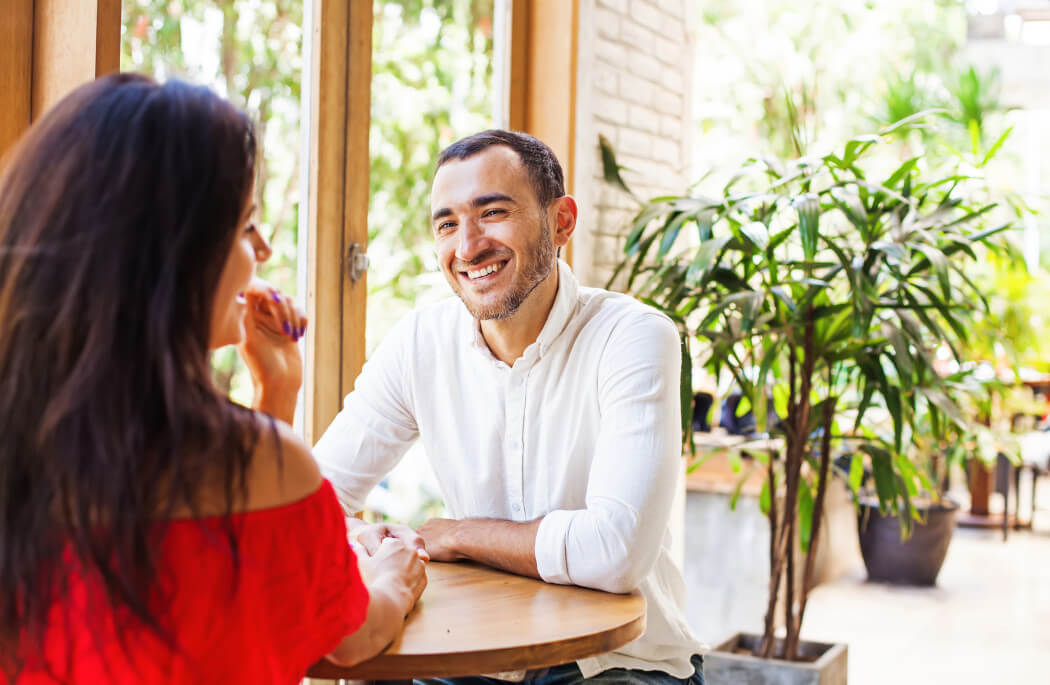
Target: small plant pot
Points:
(915, 561)
(734, 662)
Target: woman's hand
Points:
(398, 567)
(272, 328)
(395, 576)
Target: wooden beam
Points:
(16, 64)
(542, 83)
(357, 184)
(340, 98)
(66, 55)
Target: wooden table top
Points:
(472, 619)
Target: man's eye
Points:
(493, 212)
(445, 226)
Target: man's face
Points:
(492, 236)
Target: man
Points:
(550, 412)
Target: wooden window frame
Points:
(45, 53)
(338, 100)
(541, 100)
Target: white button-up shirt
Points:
(583, 430)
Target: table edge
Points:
(385, 666)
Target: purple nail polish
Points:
(275, 296)
(302, 331)
(287, 328)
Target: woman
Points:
(150, 529)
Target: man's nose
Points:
(472, 241)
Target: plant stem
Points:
(797, 456)
(767, 632)
(791, 647)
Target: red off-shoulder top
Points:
(298, 592)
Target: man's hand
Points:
(439, 537)
(371, 536)
(508, 545)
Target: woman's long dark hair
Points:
(117, 212)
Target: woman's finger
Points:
(287, 314)
(262, 310)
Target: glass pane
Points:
(432, 83)
(249, 51)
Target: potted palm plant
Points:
(822, 289)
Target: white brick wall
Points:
(634, 76)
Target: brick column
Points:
(634, 87)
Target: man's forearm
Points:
(506, 545)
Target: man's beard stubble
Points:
(528, 281)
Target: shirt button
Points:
(516, 507)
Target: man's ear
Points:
(563, 212)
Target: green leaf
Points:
(672, 227)
(882, 471)
(939, 261)
(808, 208)
(757, 233)
(764, 498)
(857, 146)
(805, 514)
(894, 251)
(736, 488)
(743, 407)
(686, 389)
(856, 471)
(910, 122)
(946, 405)
(995, 146)
(902, 171)
(610, 169)
(782, 294)
(902, 356)
(706, 257)
(892, 395)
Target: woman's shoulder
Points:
(282, 469)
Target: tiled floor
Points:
(987, 621)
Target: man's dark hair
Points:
(542, 165)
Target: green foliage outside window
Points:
(432, 83)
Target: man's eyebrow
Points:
(479, 201)
(482, 200)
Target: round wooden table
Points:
(472, 619)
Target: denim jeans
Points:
(569, 674)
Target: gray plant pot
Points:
(723, 666)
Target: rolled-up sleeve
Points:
(376, 425)
(613, 543)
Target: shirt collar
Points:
(564, 305)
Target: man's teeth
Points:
(491, 268)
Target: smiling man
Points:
(549, 411)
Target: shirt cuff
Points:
(551, 560)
